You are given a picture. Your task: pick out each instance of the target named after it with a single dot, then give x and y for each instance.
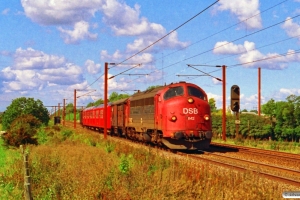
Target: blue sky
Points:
(48, 48)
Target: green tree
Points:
(153, 86)
(212, 104)
(269, 108)
(115, 96)
(70, 108)
(22, 106)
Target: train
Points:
(176, 116)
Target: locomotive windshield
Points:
(192, 91)
(173, 92)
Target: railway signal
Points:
(235, 106)
(235, 98)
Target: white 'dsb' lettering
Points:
(190, 111)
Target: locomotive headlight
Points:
(206, 117)
(190, 100)
(173, 118)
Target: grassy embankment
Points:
(81, 165)
(290, 147)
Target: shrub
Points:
(23, 130)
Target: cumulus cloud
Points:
(92, 67)
(288, 92)
(291, 28)
(251, 57)
(33, 59)
(80, 32)
(122, 19)
(33, 69)
(244, 10)
(228, 48)
(58, 12)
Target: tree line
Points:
(279, 121)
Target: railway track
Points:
(251, 166)
(272, 172)
(262, 152)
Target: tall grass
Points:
(290, 147)
(84, 166)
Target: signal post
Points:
(235, 106)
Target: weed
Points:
(109, 147)
(42, 136)
(124, 164)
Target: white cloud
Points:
(80, 32)
(92, 67)
(117, 56)
(59, 12)
(251, 57)
(33, 69)
(33, 59)
(288, 92)
(292, 29)
(121, 18)
(228, 48)
(243, 9)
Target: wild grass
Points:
(290, 147)
(70, 165)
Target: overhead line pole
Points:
(105, 99)
(259, 90)
(74, 112)
(224, 103)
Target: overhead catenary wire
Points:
(204, 39)
(155, 42)
(168, 33)
(230, 42)
(222, 30)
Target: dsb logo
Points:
(190, 111)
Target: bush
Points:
(23, 130)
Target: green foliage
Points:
(109, 147)
(66, 134)
(24, 105)
(124, 165)
(115, 96)
(212, 104)
(153, 87)
(42, 136)
(69, 108)
(96, 103)
(251, 126)
(2, 154)
(23, 131)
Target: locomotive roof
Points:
(146, 94)
(119, 101)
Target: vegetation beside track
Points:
(289, 147)
(69, 164)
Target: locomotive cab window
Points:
(173, 92)
(192, 91)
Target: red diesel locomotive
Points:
(176, 116)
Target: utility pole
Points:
(224, 103)
(105, 99)
(64, 112)
(74, 109)
(259, 90)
